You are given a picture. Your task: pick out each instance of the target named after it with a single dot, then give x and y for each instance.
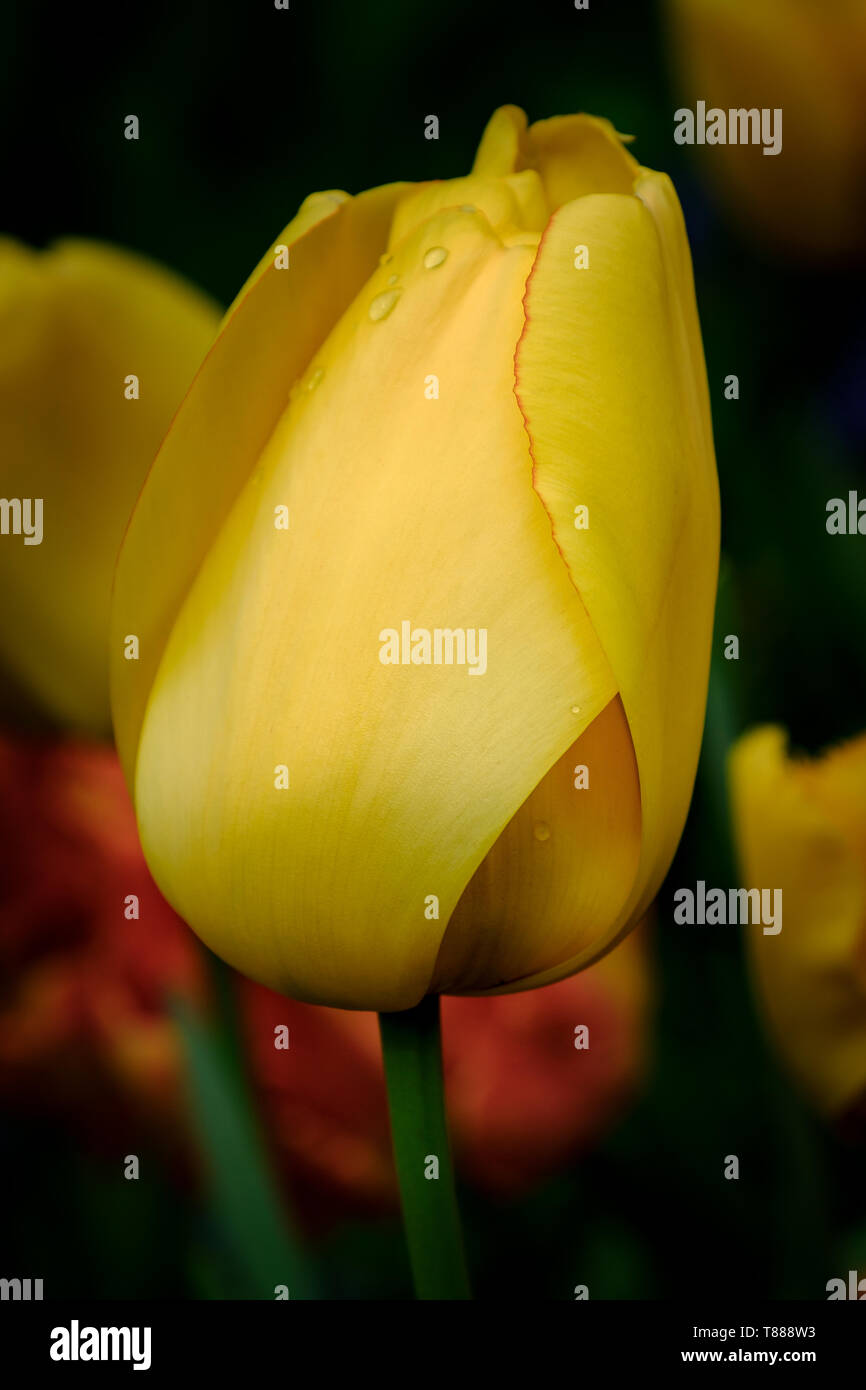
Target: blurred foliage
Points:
(245, 109)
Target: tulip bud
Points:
(97, 347)
(807, 62)
(396, 722)
(801, 827)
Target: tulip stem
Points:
(412, 1047)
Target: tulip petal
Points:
(502, 149)
(266, 341)
(514, 204)
(404, 507)
(576, 155)
(556, 881)
(658, 195)
(528, 191)
(612, 416)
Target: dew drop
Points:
(392, 279)
(541, 830)
(383, 260)
(315, 378)
(383, 304)
(575, 709)
(435, 256)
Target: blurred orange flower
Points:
(83, 1029)
(84, 1032)
(807, 59)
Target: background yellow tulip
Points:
(75, 321)
(809, 59)
(801, 826)
(431, 836)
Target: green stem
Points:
(413, 1070)
(256, 1231)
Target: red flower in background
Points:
(83, 1026)
(522, 1099)
(84, 1032)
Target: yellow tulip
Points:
(807, 60)
(357, 833)
(801, 826)
(76, 321)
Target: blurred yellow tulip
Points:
(495, 459)
(78, 322)
(807, 58)
(801, 826)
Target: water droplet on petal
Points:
(435, 256)
(575, 709)
(315, 378)
(392, 279)
(383, 260)
(383, 304)
(541, 830)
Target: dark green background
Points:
(243, 111)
